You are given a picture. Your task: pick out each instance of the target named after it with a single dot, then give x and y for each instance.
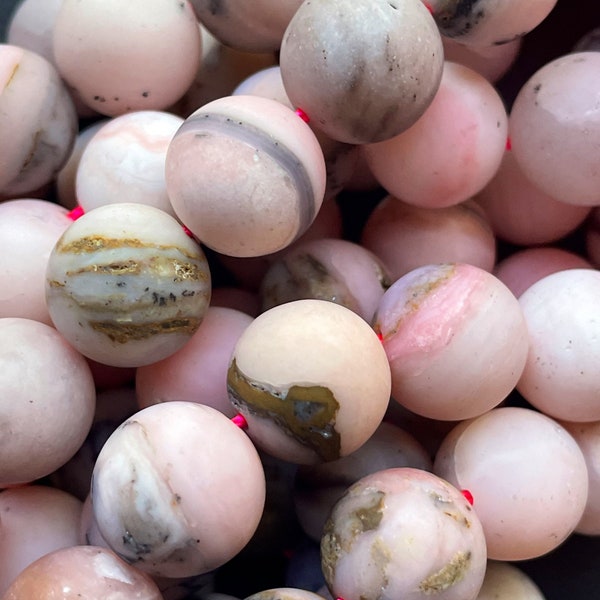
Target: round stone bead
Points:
(369, 90)
(47, 400)
(555, 128)
(403, 533)
(312, 380)
(178, 489)
(38, 122)
(246, 175)
(121, 57)
(527, 476)
(126, 286)
(82, 573)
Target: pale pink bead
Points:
(34, 520)
(162, 492)
(197, 372)
(47, 400)
(284, 594)
(555, 128)
(312, 380)
(403, 533)
(587, 435)
(82, 573)
(405, 237)
(522, 269)
(37, 120)
(103, 48)
(456, 340)
(246, 175)
(452, 151)
(561, 377)
(29, 229)
(527, 476)
(521, 213)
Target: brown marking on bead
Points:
(98, 243)
(122, 333)
(36, 140)
(117, 268)
(307, 413)
(56, 284)
(368, 517)
(331, 550)
(12, 75)
(381, 556)
(449, 575)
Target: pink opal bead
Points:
(34, 520)
(452, 151)
(38, 122)
(125, 161)
(246, 175)
(103, 48)
(456, 340)
(521, 270)
(403, 533)
(47, 400)
(521, 213)
(560, 377)
(82, 573)
(527, 476)
(29, 229)
(405, 237)
(311, 379)
(162, 495)
(555, 128)
(505, 581)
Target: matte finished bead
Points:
(403, 533)
(312, 380)
(126, 286)
(178, 489)
(374, 88)
(246, 175)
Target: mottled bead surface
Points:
(126, 285)
(327, 269)
(374, 89)
(527, 476)
(47, 400)
(312, 380)
(285, 594)
(103, 49)
(318, 487)
(162, 489)
(246, 175)
(38, 122)
(82, 573)
(456, 340)
(403, 533)
(488, 22)
(125, 161)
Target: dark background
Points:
(573, 570)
